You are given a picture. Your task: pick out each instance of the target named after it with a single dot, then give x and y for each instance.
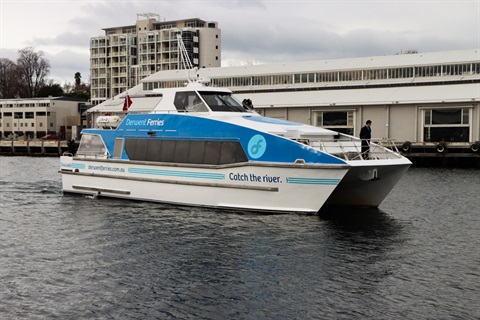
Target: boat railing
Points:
(92, 154)
(351, 148)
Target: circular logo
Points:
(257, 146)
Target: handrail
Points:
(350, 148)
(91, 154)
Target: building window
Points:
(475, 68)
(327, 77)
(241, 81)
(304, 77)
(340, 121)
(262, 80)
(451, 125)
(282, 79)
(222, 82)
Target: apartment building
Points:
(125, 55)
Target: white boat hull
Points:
(368, 183)
(258, 187)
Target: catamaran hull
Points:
(258, 187)
(368, 185)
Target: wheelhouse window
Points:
(220, 101)
(189, 102)
(450, 125)
(340, 121)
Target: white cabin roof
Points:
(139, 105)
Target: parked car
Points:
(50, 137)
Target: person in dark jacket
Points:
(366, 135)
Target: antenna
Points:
(187, 64)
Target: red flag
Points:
(127, 103)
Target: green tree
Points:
(79, 90)
(51, 89)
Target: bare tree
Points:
(33, 68)
(9, 80)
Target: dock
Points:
(441, 154)
(43, 148)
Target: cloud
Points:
(266, 31)
(66, 63)
(67, 39)
(11, 54)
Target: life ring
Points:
(440, 147)
(475, 146)
(406, 146)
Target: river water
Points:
(74, 257)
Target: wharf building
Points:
(34, 118)
(125, 55)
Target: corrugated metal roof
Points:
(374, 96)
(400, 60)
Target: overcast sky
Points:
(253, 31)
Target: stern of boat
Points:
(367, 185)
(372, 175)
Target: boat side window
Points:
(222, 102)
(91, 145)
(185, 151)
(189, 102)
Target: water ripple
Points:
(70, 257)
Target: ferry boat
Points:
(200, 146)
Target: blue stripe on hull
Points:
(73, 165)
(313, 181)
(183, 174)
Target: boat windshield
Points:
(189, 102)
(91, 145)
(219, 101)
